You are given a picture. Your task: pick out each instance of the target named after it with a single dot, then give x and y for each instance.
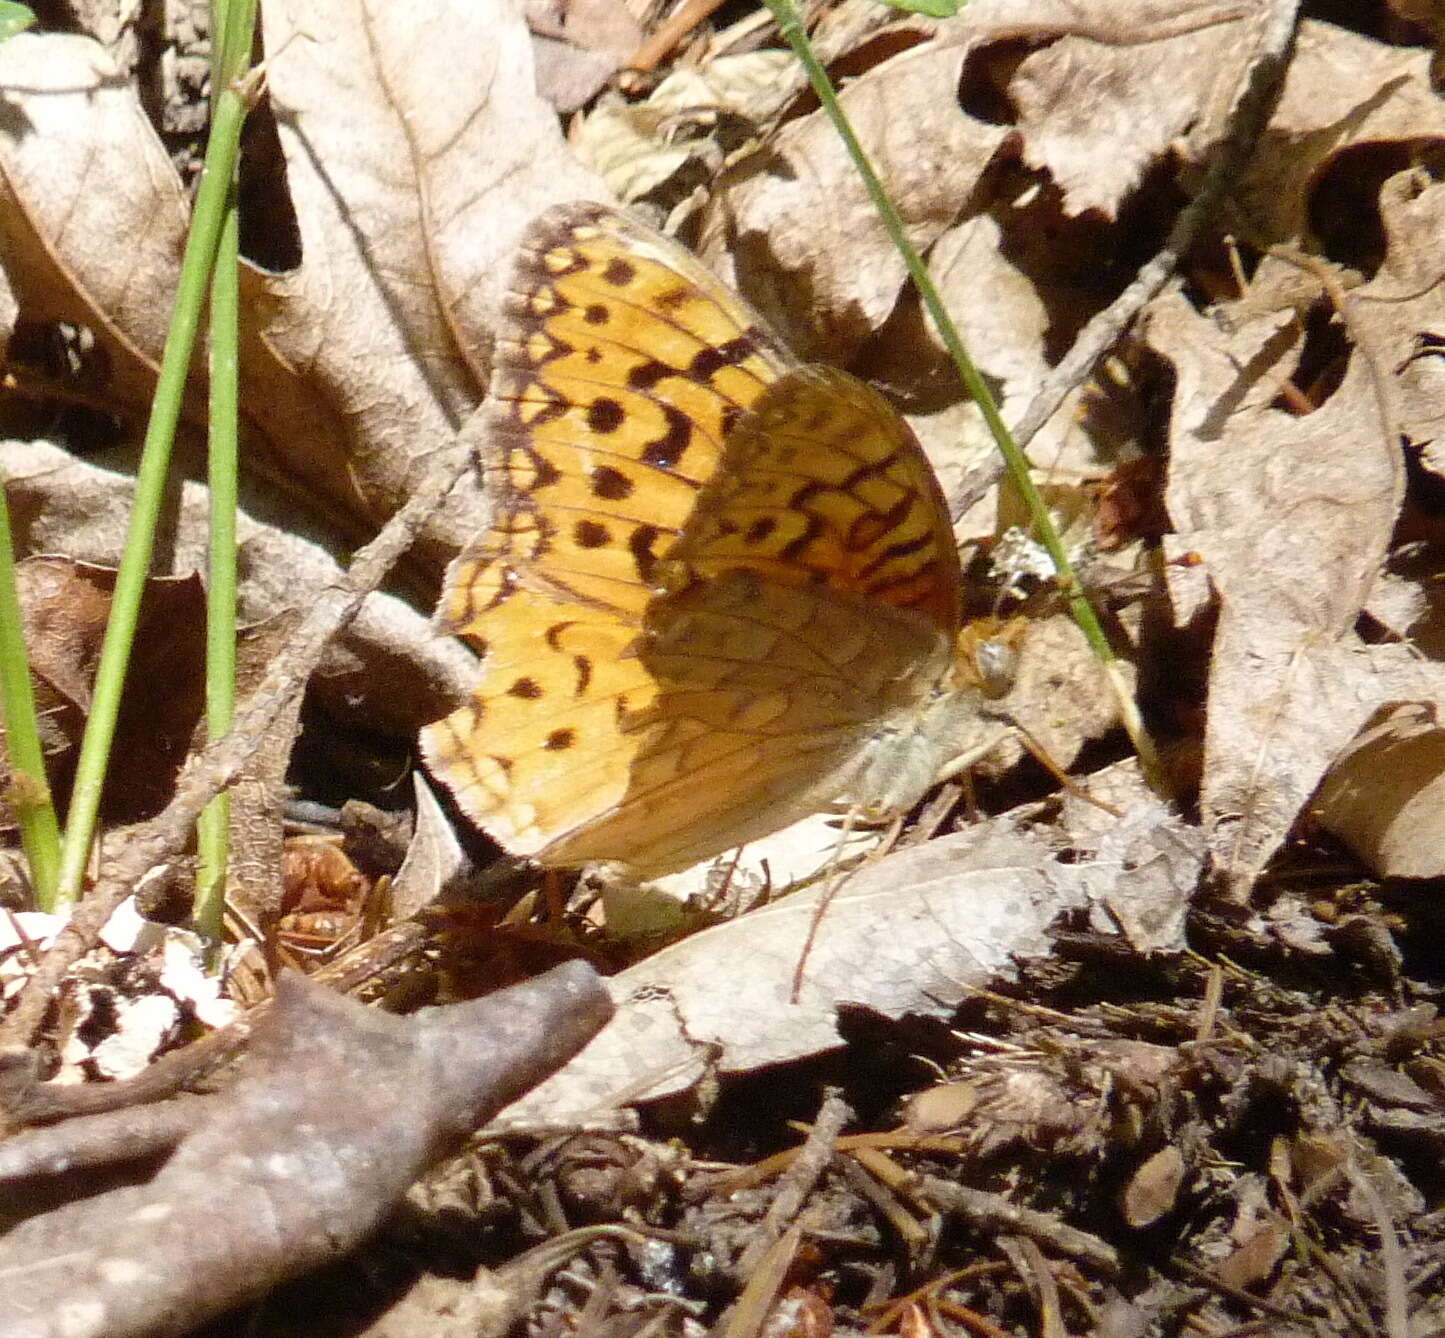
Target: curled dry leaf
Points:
(1119, 87)
(1295, 531)
(909, 934)
(1008, 309)
(1010, 164)
(433, 856)
(337, 1110)
(1384, 798)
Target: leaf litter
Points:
(1092, 1064)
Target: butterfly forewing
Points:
(620, 365)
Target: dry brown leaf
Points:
(1010, 312)
(413, 162)
(1385, 798)
(80, 170)
(792, 226)
(1154, 1187)
(65, 606)
(1292, 516)
(1295, 530)
(801, 236)
(1299, 522)
(1399, 314)
(1342, 92)
(908, 934)
(578, 45)
(803, 239)
(62, 206)
(1103, 103)
(1059, 693)
(1256, 1256)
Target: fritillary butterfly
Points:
(720, 591)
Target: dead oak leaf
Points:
(1292, 516)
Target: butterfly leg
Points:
(553, 900)
(851, 818)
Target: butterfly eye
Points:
(997, 664)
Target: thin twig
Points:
(1392, 1260)
(808, 1166)
(670, 33)
(993, 1212)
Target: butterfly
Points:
(720, 590)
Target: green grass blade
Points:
(214, 827)
(196, 267)
(1016, 463)
(29, 790)
(235, 23)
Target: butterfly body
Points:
(720, 591)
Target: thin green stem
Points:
(214, 826)
(206, 224)
(791, 27)
(29, 791)
(234, 22)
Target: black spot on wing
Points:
(604, 415)
(619, 272)
(668, 449)
(641, 545)
(591, 534)
(708, 362)
(610, 485)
